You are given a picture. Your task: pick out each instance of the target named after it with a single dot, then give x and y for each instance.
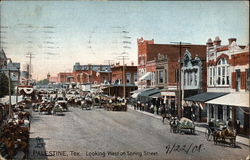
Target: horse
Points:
(174, 122)
(87, 103)
(224, 134)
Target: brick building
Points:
(146, 67)
(65, 77)
(94, 74)
(228, 73)
(158, 66)
(119, 81)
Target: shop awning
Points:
(156, 95)
(232, 99)
(204, 97)
(149, 92)
(146, 76)
(141, 90)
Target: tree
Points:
(4, 85)
(43, 82)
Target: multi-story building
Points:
(65, 77)
(10, 68)
(228, 72)
(95, 74)
(123, 77)
(3, 59)
(193, 82)
(146, 64)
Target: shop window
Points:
(212, 111)
(220, 112)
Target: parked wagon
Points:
(186, 125)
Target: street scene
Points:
(124, 80)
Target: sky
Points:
(60, 33)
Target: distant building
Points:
(65, 77)
(3, 59)
(121, 79)
(94, 74)
(9, 68)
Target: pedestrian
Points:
(193, 117)
(138, 104)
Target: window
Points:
(237, 79)
(128, 77)
(184, 78)
(210, 76)
(248, 79)
(195, 79)
(191, 78)
(161, 76)
(135, 77)
(222, 72)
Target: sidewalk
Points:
(239, 139)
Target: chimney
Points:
(217, 41)
(230, 40)
(209, 42)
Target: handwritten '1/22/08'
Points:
(191, 148)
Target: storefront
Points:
(232, 107)
(196, 105)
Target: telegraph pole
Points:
(124, 79)
(109, 74)
(178, 84)
(29, 55)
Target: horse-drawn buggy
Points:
(119, 106)
(184, 125)
(57, 109)
(62, 101)
(87, 103)
(220, 132)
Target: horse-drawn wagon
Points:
(184, 125)
(220, 133)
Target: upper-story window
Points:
(222, 72)
(248, 79)
(160, 76)
(135, 77)
(128, 78)
(195, 79)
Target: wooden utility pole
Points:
(178, 82)
(124, 79)
(30, 56)
(109, 74)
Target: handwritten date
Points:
(191, 148)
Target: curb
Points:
(197, 128)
